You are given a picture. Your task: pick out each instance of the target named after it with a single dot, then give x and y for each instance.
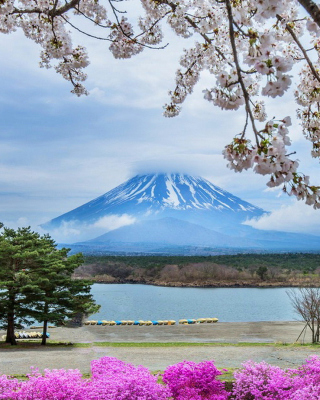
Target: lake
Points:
(135, 301)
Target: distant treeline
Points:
(224, 270)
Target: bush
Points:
(261, 381)
(190, 381)
(113, 379)
(116, 380)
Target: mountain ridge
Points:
(175, 210)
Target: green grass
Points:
(32, 344)
(227, 376)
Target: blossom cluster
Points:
(248, 46)
(269, 157)
(190, 381)
(264, 381)
(113, 379)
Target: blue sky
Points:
(59, 151)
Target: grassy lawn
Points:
(25, 344)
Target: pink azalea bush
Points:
(190, 381)
(7, 386)
(261, 381)
(113, 379)
(56, 384)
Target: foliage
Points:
(190, 381)
(36, 281)
(249, 47)
(291, 261)
(292, 268)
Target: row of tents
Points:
(155, 322)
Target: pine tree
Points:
(19, 251)
(36, 282)
(53, 294)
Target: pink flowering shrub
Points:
(57, 384)
(190, 381)
(7, 386)
(307, 380)
(262, 381)
(113, 379)
(116, 380)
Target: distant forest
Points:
(285, 269)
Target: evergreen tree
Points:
(36, 282)
(19, 251)
(53, 294)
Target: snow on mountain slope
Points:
(162, 195)
(170, 211)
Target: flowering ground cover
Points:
(113, 379)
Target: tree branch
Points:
(64, 9)
(303, 50)
(54, 12)
(312, 9)
(238, 69)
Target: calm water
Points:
(127, 301)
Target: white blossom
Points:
(248, 46)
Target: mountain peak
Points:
(154, 196)
(176, 191)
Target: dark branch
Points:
(312, 9)
(238, 68)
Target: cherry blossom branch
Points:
(52, 13)
(238, 69)
(304, 52)
(83, 32)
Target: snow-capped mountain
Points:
(158, 211)
(146, 196)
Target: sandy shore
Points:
(14, 360)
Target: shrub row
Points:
(116, 380)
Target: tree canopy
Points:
(36, 282)
(249, 47)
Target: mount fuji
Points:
(175, 214)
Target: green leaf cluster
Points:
(36, 282)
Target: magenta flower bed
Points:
(113, 379)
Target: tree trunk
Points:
(318, 332)
(10, 338)
(44, 333)
(313, 332)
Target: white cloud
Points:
(295, 217)
(111, 222)
(77, 231)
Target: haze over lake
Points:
(134, 301)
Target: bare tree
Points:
(306, 303)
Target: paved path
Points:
(16, 360)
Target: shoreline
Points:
(244, 285)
